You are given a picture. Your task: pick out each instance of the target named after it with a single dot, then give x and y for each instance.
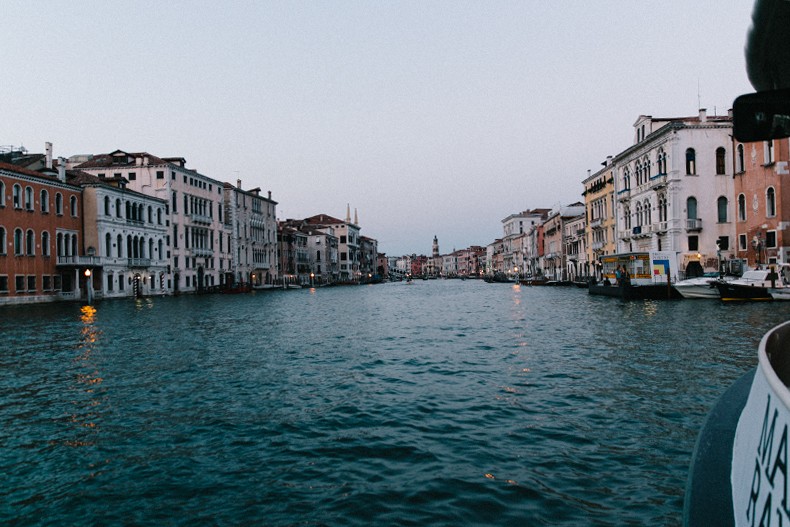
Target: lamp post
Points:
(89, 285)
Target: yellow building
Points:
(599, 204)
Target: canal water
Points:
(436, 403)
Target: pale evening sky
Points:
(428, 117)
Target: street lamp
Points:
(312, 276)
(515, 271)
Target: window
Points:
(741, 163)
(17, 197)
(693, 243)
(73, 206)
(108, 245)
(109, 281)
(175, 202)
(691, 161)
(769, 152)
(30, 243)
(28, 198)
(662, 161)
(20, 283)
(175, 236)
(160, 174)
(45, 243)
(2, 240)
(132, 176)
(723, 243)
(18, 242)
(44, 201)
(770, 202)
(119, 246)
(721, 204)
(691, 208)
(150, 214)
(59, 204)
(120, 282)
(742, 242)
(343, 240)
(2, 194)
(662, 207)
(721, 154)
(741, 207)
(159, 216)
(107, 209)
(31, 284)
(770, 239)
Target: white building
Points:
(199, 239)
(125, 235)
(252, 220)
(670, 186)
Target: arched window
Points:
(626, 178)
(691, 208)
(662, 207)
(107, 209)
(108, 245)
(721, 155)
(120, 246)
(175, 202)
(648, 213)
(638, 171)
(44, 200)
(770, 202)
(627, 218)
(59, 244)
(721, 204)
(28, 198)
(769, 152)
(691, 161)
(741, 207)
(661, 160)
(150, 214)
(159, 216)
(17, 196)
(30, 243)
(741, 163)
(18, 242)
(73, 206)
(45, 243)
(2, 240)
(118, 207)
(2, 194)
(129, 211)
(647, 168)
(638, 214)
(150, 248)
(160, 254)
(59, 204)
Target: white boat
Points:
(699, 287)
(757, 284)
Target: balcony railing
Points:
(139, 262)
(597, 246)
(693, 224)
(92, 261)
(661, 226)
(201, 218)
(201, 252)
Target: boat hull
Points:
(697, 291)
(634, 292)
(731, 292)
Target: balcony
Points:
(661, 226)
(596, 224)
(658, 182)
(201, 252)
(79, 261)
(624, 195)
(140, 263)
(693, 224)
(201, 218)
(597, 246)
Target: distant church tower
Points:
(435, 246)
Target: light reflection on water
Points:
(443, 402)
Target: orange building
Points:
(39, 224)
(761, 206)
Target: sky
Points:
(426, 117)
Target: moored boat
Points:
(755, 284)
(698, 287)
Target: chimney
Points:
(62, 169)
(48, 152)
(703, 115)
(238, 183)
(139, 161)
(608, 160)
(270, 194)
